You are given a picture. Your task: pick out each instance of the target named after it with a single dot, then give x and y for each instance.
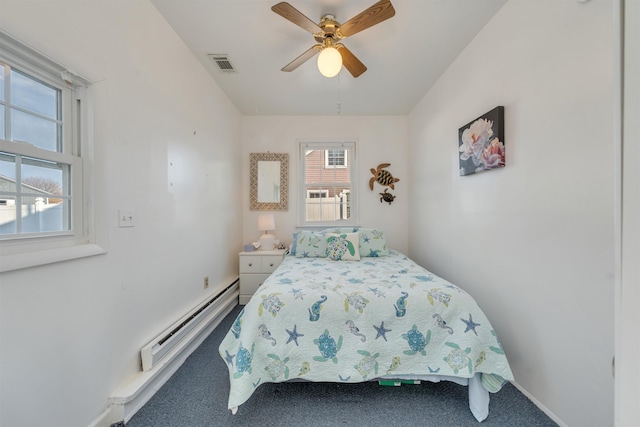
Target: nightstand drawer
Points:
(251, 264)
(270, 263)
(255, 267)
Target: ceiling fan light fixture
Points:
(329, 62)
(329, 31)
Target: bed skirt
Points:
(478, 396)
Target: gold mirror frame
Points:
(282, 205)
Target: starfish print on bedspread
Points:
(377, 292)
(229, 357)
(381, 331)
(297, 293)
(294, 335)
(471, 326)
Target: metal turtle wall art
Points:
(382, 176)
(386, 197)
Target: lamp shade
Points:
(266, 222)
(329, 62)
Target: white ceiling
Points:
(405, 55)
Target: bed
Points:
(361, 313)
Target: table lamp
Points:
(266, 223)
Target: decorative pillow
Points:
(343, 247)
(340, 230)
(373, 243)
(294, 245)
(311, 245)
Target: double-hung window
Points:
(44, 183)
(327, 192)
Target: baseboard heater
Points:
(154, 351)
(164, 355)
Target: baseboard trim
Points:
(540, 406)
(102, 420)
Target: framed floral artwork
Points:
(481, 143)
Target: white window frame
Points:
(26, 250)
(350, 146)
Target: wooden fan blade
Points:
(306, 55)
(350, 62)
(375, 14)
(289, 12)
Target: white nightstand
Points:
(255, 267)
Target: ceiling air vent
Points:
(223, 63)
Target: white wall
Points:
(70, 332)
(533, 242)
(628, 295)
(379, 140)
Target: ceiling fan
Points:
(328, 34)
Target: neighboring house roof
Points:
(6, 182)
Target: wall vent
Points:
(222, 61)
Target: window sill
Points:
(49, 256)
(324, 226)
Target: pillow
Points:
(311, 244)
(373, 243)
(294, 245)
(343, 247)
(340, 230)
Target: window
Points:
(337, 158)
(44, 185)
(36, 196)
(317, 194)
(327, 189)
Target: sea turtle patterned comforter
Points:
(351, 321)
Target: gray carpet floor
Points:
(196, 396)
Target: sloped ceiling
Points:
(405, 55)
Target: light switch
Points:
(126, 217)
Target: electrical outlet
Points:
(206, 282)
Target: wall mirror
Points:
(269, 181)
